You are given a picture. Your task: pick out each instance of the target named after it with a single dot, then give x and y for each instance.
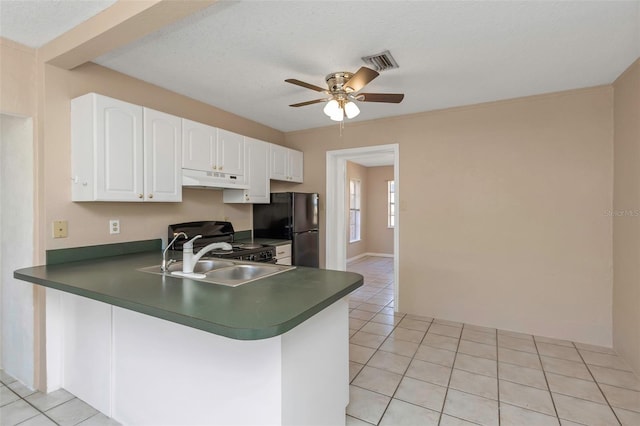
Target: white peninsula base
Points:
(141, 370)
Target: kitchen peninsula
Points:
(156, 349)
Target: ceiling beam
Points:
(116, 26)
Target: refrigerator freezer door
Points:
(306, 249)
(305, 212)
(273, 220)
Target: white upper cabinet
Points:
(279, 159)
(256, 165)
(286, 164)
(113, 160)
(163, 156)
(230, 153)
(198, 146)
(296, 166)
(126, 152)
(209, 149)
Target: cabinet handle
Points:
(140, 196)
(150, 195)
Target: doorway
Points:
(336, 242)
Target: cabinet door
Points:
(230, 152)
(119, 150)
(257, 170)
(163, 156)
(279, 162)
(296, 166)
(198, 146)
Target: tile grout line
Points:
(597, 384)
(446, 392)
(546, 380)
(395, 326)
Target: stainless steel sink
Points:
(201, 267)
(240, 274)
(225, 272)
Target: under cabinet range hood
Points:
(214, 180)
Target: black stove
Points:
(220, 232)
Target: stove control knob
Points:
(251, 257)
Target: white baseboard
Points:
(360, 256)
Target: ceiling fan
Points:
(343, 88)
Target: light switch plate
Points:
(60, 229)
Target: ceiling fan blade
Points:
(361, 78)
(315, 101)
(305, 85)
(393, 98)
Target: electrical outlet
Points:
(114, 226)
(60, 229)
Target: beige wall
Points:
(88, 222)
(18, 82)
(502, 210)
(626, 216)
(376, 237)
(379, 236)
(356, 171)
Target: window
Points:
(354, 210)
(391, 209)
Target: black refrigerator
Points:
(291, 216)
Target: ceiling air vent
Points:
(381, 62)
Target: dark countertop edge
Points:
(232, 333)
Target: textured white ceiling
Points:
(36, 22)
(236, 55)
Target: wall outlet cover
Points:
(114, 226)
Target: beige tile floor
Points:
(411, 370)
(22, 406)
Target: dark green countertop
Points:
(256, 310)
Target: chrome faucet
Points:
(165, 265)
(189, 259)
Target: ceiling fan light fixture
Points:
(332, 108)
(351, 109)
(337, 115)
(343, 90)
